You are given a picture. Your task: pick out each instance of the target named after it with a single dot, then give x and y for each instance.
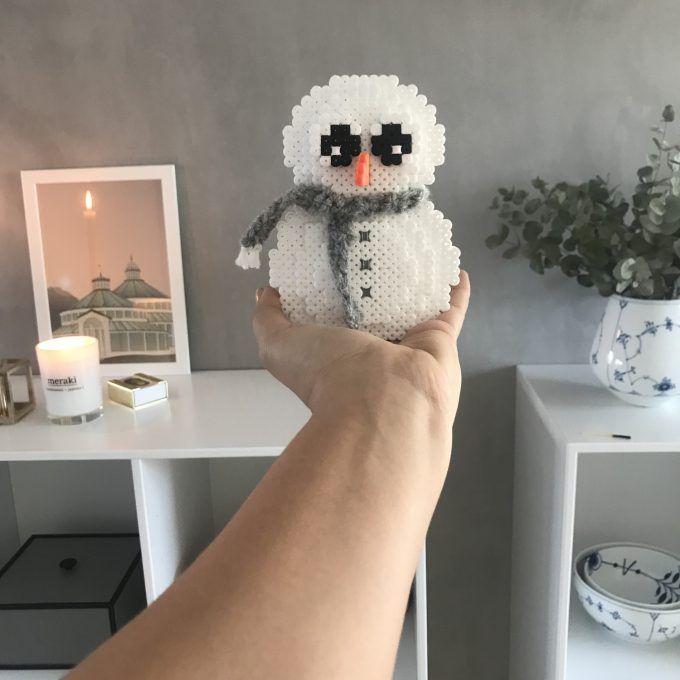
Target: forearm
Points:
(311, 577)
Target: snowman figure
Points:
(359, 242)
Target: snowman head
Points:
(364, 134)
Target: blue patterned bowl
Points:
(636, 350)
(639, 624)
(636, 574)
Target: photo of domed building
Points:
(107, 262)
(132, 322)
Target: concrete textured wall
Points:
(565, 89)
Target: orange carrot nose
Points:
(362, 174)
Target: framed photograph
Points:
(106, 262)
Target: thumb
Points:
(268, 317)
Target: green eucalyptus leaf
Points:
(661, 259)
(669, 228)
(625, 269)
(672, 209)
(493, 241)
(553, 254)
(644, 288)
(676, 247)
(570, 243)
(668, 114)
(585, 280)
(532, 206)
(511, 252)
(516, 219)
(641, 269)
(606, 288)
(532, 230)
(571, 265)
(648, 236)
(655, 217)
(645, 173)
(641, 199)
(536, 263)
(503, 232)
(561, 221)
(519, 197)
(657, 205)
(675, 185)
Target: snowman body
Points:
(400, 269)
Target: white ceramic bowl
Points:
(643, 625)
(636, 574)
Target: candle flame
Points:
(88, 200)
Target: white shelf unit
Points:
(176, 472)
(575, 486)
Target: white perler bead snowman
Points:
(359, 243)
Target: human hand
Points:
(335, 369)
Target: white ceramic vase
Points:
(636, 351)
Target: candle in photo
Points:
(91, 232)
(69, 371)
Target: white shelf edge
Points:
(406, 665)
(38, 674)
(555, 432)
(145, 454)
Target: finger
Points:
(268, 317)
(438, 336)
(459, 301)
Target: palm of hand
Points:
(343, 367)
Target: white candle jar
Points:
(69, 371)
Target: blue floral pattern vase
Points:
(636, 351)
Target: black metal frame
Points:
(68, 605)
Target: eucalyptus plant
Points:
(594, 235)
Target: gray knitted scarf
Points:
(339, 212)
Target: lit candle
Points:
(90, 232)
(69, 371)
(89, 211)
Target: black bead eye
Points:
(340, 145)
(391, 144)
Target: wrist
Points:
(384, 389)
(404, 417)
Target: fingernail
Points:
(258, 294)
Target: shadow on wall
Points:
(470, 536)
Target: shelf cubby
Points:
(176, 473)
(576, 486)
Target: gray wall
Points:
(565, 89)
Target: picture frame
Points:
(84, 226)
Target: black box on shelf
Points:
(62, 595)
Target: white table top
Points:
(580, 411)
(209, 414)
